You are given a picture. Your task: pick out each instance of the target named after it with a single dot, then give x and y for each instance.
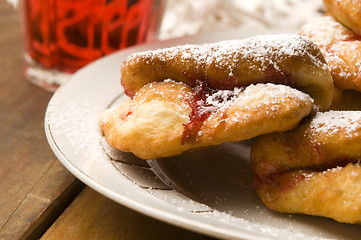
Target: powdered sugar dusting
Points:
(262, 50)
(279, 94)
(178, 91)
(333, 122)
(279, 90)
(289, 231)
(266, 100)
(221, 99)
(334, 41)
(84, 116)
(319, 31)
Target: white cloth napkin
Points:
(188, 17)
(12, 2)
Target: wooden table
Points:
(39, 197)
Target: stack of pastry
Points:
(193, 96)
(273, 87)
(338, 36)
(314, 168)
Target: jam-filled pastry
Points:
(341, 48)
(283, 59)
(347, 12)
(313, 169)
(167, 118)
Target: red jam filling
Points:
(352, 38)
(204, 102)
(278, 76)
(274, 178)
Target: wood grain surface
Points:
(92, 216)
(34, 187)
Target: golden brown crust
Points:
(285, 59)
(301, 171)
(334, 193)
(153, 123)
(341, 48)
(347, 12)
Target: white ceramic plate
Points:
(217, 197)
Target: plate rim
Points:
(170, 218)
(175, 220)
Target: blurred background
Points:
(188, 17)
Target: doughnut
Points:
(281, 59)
(167, 118)
(347, 12)
(341, 48)
(313, 169)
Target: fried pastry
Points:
(341, 48)
(347, 12)
(167, 118)
(282, 59)
(313, 169)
